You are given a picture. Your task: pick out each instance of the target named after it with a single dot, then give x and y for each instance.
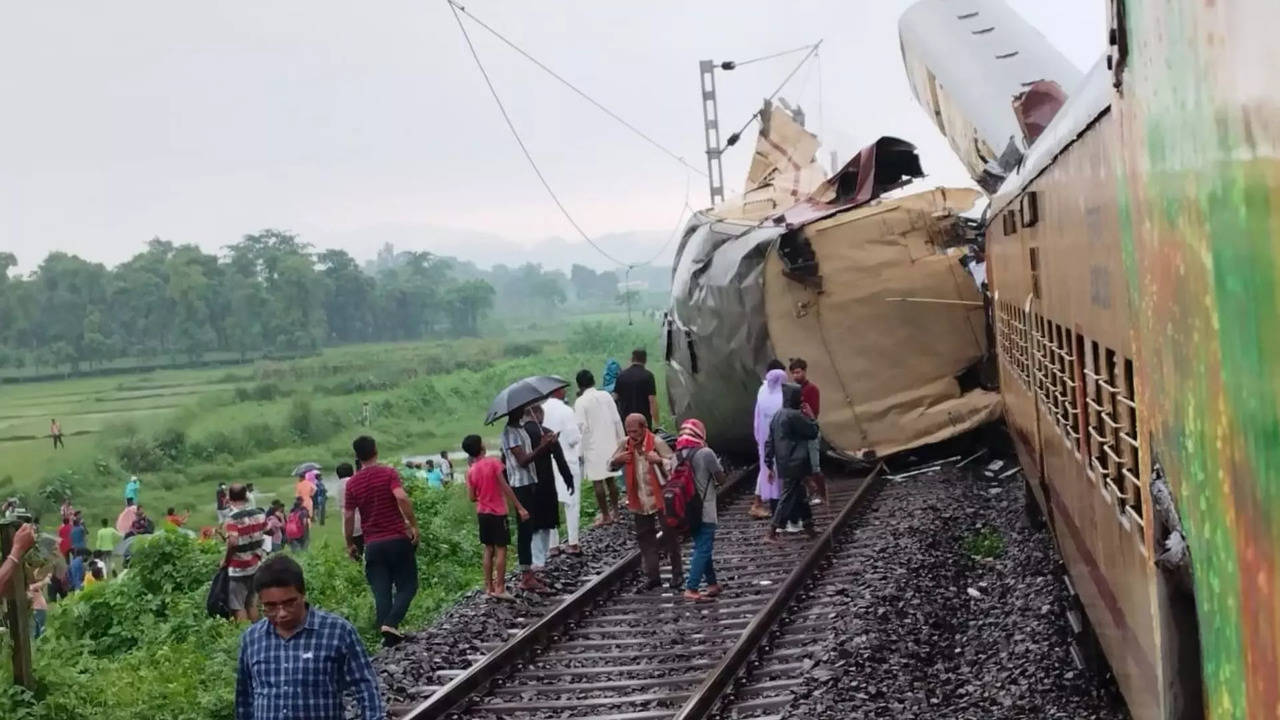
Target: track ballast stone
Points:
(927, 630)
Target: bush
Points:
(263, 392)
(520, 349)
(137, 455)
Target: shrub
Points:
(137, 455)
(263, 391)
(985, 543)
(520, 349)
(171, 444)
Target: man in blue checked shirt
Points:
(298, 660)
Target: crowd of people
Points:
(608, 436)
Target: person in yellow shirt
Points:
(306, 489)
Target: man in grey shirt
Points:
(708, 475)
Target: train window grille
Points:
(1127, 434)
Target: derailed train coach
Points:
(1132, 262)
(857, 273)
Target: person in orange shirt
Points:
(306, 489)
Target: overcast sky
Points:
(199, 122)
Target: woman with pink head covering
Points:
(768, 402)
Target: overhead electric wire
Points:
(737, 64)
(456, 7)
(675, 231)
(524, 149)
(734, 137)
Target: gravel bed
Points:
(926, 630)
(407, 672)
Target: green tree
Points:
(467, 302)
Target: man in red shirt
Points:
(64, 537)
(810, 402)
(390, 536)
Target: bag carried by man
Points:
(294, 528)
(681, 504)
(216, 603)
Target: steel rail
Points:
(705, 699)
(481, 675)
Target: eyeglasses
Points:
(269, 608)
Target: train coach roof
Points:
(1087, 102)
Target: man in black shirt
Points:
(636, 390)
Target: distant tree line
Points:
(269, 292)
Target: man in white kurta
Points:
(601, 427)
(558, 417)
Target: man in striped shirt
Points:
(245, 551)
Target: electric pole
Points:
(711, 130)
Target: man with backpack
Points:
(642, 456)
(698, 474)
(790, 434)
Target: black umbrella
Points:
(522, 392)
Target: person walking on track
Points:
(811, 404)
(390, 537)
(601, 428)
(55, 432)
(559, 418)
(708, 476)
(643, 457)
(790, 433)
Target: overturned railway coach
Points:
(1132, 267)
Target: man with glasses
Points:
(299, 660)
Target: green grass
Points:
(184, 431)
(984, 543)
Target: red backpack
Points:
(293, 527)
(681, 506)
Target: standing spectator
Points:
(446, 466)
(609, 381)
(559, 419)
(55, 432)
(390, 536)
(68, 510)
(344, 472)
(643, 456)
(75, 572)
(490, 492)
(601, 428)
(142, 524)
(321, 497)
(637, 391)
(435, 478)
(105, 541)
(519, 453)
(79, 534)
(275, 525)
(299, 663)
(245, 527)
(172, 517)
(768, 403)
(220, 502)
(297, 527)
(64, 538)
(12, 564)
(305, 488)
(124, 521)
(546, 505)
(39, 604)
(811, 403)
(708, 476)
(790, 433)
(253, 495)
(132, 489)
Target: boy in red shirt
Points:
(488, 489)
(810, 405)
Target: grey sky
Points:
(199, 122)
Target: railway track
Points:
(609, 653)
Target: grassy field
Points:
(183, 431)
